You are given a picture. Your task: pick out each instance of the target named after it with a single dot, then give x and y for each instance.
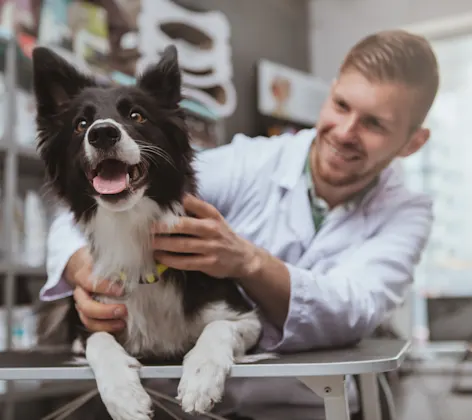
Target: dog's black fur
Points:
(64, 96)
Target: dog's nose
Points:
(104, 135)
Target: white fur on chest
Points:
(157, 324)
(121, 240)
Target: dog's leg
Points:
(207, 365)
(118, 381)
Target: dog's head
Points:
(111, 145)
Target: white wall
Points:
(336, 25)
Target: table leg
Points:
(9, 406)
(370, 398)
(333, 391)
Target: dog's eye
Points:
(136, 116)
(81, 126)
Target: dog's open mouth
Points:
(112, 176)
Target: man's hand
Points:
(95, 316)
(212, 247)
(216, 250)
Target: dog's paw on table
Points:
(123, 394)
(203, 381)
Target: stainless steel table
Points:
(324, 372)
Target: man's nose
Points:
(346, 129)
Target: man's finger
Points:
(184, 262)
(188, 226)
(180, 244)
(200, 208)
(86, 280)
(95, 325)
(97, 310)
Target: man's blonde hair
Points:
(397, 56)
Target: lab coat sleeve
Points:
(345, 304)
(64, 239)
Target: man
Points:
(318, 227)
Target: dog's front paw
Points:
(123, 394)
(203, 381)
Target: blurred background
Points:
(260, 67)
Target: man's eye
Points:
(373, 123)
(341, 104)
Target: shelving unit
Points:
(15, 160)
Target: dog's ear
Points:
(55, 81)
(163, 80)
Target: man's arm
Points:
(345, 304)
(311, 308)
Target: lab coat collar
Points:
(390, 178)
(287, 176)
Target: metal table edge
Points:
(266, 369)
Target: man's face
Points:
(362, 127)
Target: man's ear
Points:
(163, 80)
(55, 81)
(417, 140)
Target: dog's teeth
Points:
(127, 180)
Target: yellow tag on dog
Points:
(160, 268)
(150, 278)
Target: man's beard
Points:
(348, 179)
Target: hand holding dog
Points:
(96, 316)
(210, 245)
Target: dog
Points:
(120, 158)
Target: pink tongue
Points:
(113, 185)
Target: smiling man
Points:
(318, 227)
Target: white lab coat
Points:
(344, 280)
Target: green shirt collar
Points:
(319, 206)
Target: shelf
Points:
(22, 270)
(29, 162)
(28, 152)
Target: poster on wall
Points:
(288, 94)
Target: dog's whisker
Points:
(156, 152)
(152, 159)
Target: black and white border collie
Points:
(119, 157)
